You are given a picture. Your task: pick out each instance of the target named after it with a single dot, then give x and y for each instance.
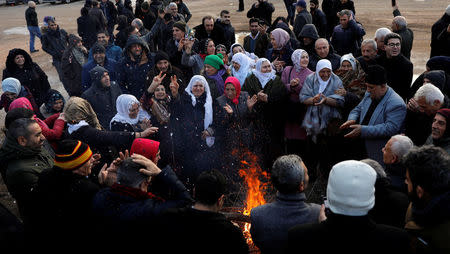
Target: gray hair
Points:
(345, 12)
(371, 42)
(400, 21)
(128, 174)
(381, 33)
(31, 4)
(431, 94)
(288, 173)
(172, 4)
(401, 145)
(137, 22)
(376, 166)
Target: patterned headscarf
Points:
(52, 97)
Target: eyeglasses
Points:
(392, 45)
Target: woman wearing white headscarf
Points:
(12, 89)
(241, 67)
(293, 78)
(129, 115)
(271, 93)
(318, 94)
(196, 112)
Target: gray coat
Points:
(386, 121)
(271, 222)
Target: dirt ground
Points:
(420, 14)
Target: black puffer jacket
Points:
(31, 75)
(102, 99)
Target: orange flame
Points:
(252, 172)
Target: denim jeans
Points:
(34, 31)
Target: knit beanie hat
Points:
(214, 60)
(145, 147)
(301, 3)
(161, 55)
(11, 85)
(97, 73)
(351, 188)
(376, 75)
(72, 154)
(98, 49)
(180, 25)
(447, 11)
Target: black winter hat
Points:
(376, 75)
(97, 73)
(316, 2)
(161, 55)
(98, 49)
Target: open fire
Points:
(253, 175)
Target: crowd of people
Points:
(160, 114)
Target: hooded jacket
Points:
(102, 99)
(308, 31)
(133, 72)
(30, 76)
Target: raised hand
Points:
(174, 85)
(251, 101)
(228, 109)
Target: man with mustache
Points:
(440, 130)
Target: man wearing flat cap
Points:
(379, 116)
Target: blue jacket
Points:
(112, 52)
(346, 40)
(386, 121)
(110, 65)
(271, 222)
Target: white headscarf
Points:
(245, 63)
(208, 104)
(350, 58)
(296, 57)
(324, 63)
(123, 105)
(263, 77)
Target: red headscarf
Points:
(21, 102)
(237, 86)
(145, 147)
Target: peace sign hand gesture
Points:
(156, 82)
(174, 85)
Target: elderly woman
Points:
(352, 76)
(130, 116)
(318, 94)
(241, 67)
(53, 104)
(196, 112)
(19, 65)
(232, 123)
(271, 94)
(215, 74)
(281, 51)
(12, 89)
(293, 78)
(83, 125)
